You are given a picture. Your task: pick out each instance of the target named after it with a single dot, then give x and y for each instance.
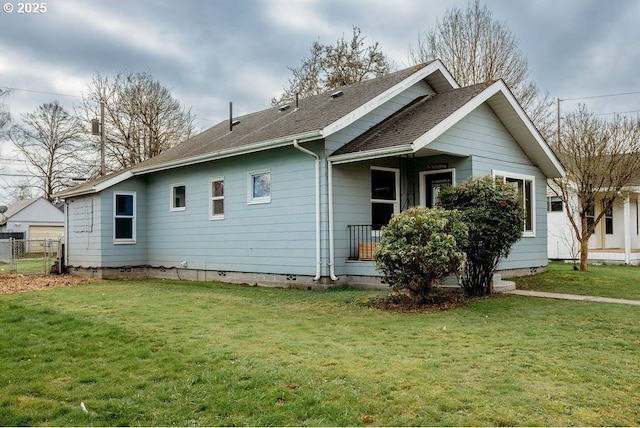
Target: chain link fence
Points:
(30, 256)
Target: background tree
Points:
(492, 211)
(476, 48)
(332, 66)
(52, 141)
(5, 116)
(601, 158)
(419, 247)
(142, 119)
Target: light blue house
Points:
(296, 195)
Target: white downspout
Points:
(332, 269)
(317, 162)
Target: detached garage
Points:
(35, 218)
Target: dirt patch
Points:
(441, 299)
(16, 283)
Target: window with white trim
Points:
(216, 198)
(259, 187)
(385, 195)
(554, 204)
(124, 217)
(178, 197)
(524, 186)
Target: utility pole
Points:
(97, 128)
(559, 120)
(102, 165)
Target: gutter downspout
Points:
(317, 168)
(332, 269)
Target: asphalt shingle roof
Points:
(415, 119)
(314, 113)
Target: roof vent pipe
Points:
(230, 116)
(297, 96)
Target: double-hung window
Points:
(178, 197)
(216, 197)
(124, 218)
(385, 198)
(524, 186)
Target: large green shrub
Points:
(493, 212)
(421, 246)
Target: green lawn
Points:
(622, 282)
(29, 265)
(189, 353)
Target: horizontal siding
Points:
(276, 237)
(84, 231)
(115, 255)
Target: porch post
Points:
(627, 231)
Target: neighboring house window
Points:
(124, 207)
(384, 196)
(524, 185)
(554, 204)
(178, 197)
(216, 207)
(259, 191)
(608, 221)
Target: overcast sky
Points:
(211, 52)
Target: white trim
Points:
(172, 195)
(213, 216)
(422, 187)
(236, 151)
(131, 240)
(251, 200)
(396, 202)
(385, 96)
(498, 89)
(497, 173)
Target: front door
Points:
(433, 183)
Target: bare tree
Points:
(601, 158)
(332, 66)
(142, 119)
(5, 116)
(476, 48)
(51, 140)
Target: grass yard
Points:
(189, 353)
(616, 281)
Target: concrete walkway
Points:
(572, 297)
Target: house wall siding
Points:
(482, 145)
(275, 237)
(84, 231)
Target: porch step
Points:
(499, 285)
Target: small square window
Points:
(259, 187)
(178, 197)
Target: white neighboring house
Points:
(35, 218)
(616, 239)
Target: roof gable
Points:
(421, 122)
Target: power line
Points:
(600, 96)
(41, 92)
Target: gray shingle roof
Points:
(415, 119)
(314, 113)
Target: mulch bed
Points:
(17, 283)
(440, 299)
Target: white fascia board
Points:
(376, 102)
(253, 148)
(500, 89)
(97, 188)
(371, 154)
